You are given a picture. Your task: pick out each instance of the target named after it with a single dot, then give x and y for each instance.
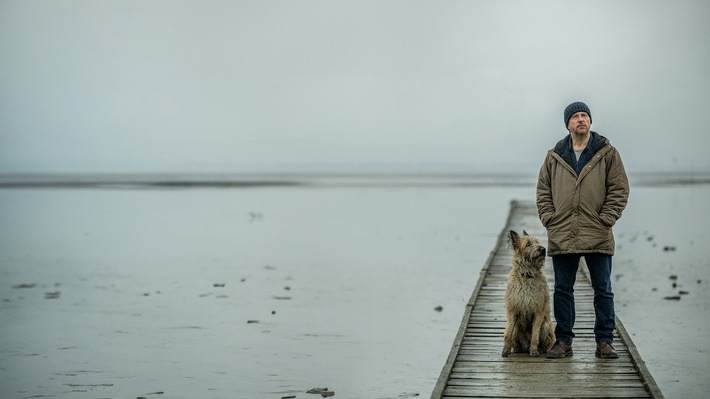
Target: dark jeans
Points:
(599, 266)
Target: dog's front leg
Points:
(535, 338)
(508, 336)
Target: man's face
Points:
(579, 123)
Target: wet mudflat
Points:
(272, 292)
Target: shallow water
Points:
(662, 284)
(322, 288)
(268, 292)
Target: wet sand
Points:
(269, 292)
(662, 284)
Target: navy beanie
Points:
(574, 108)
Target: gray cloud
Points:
(164, 85)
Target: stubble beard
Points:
(581, 131)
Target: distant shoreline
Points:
(325, 179)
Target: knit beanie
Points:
(574, 108)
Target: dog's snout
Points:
(542, 250)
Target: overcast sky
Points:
(155, 86)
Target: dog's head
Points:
(527, 247)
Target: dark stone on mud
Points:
(324, 392)
(30, 285)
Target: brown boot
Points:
(606, 351)
(559, 350)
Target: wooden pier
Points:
(476, 369)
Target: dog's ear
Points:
(513, 238)
(525, 233)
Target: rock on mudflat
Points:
(52, 295)
(25, 285)
(324, 392)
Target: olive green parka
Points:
(579, 211)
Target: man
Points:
(581, 191)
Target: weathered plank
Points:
(475, 368)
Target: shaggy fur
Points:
(527, 299)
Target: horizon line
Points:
(315, 179)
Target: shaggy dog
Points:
(527, 299)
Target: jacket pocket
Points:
(606, 221)
(546, 219)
